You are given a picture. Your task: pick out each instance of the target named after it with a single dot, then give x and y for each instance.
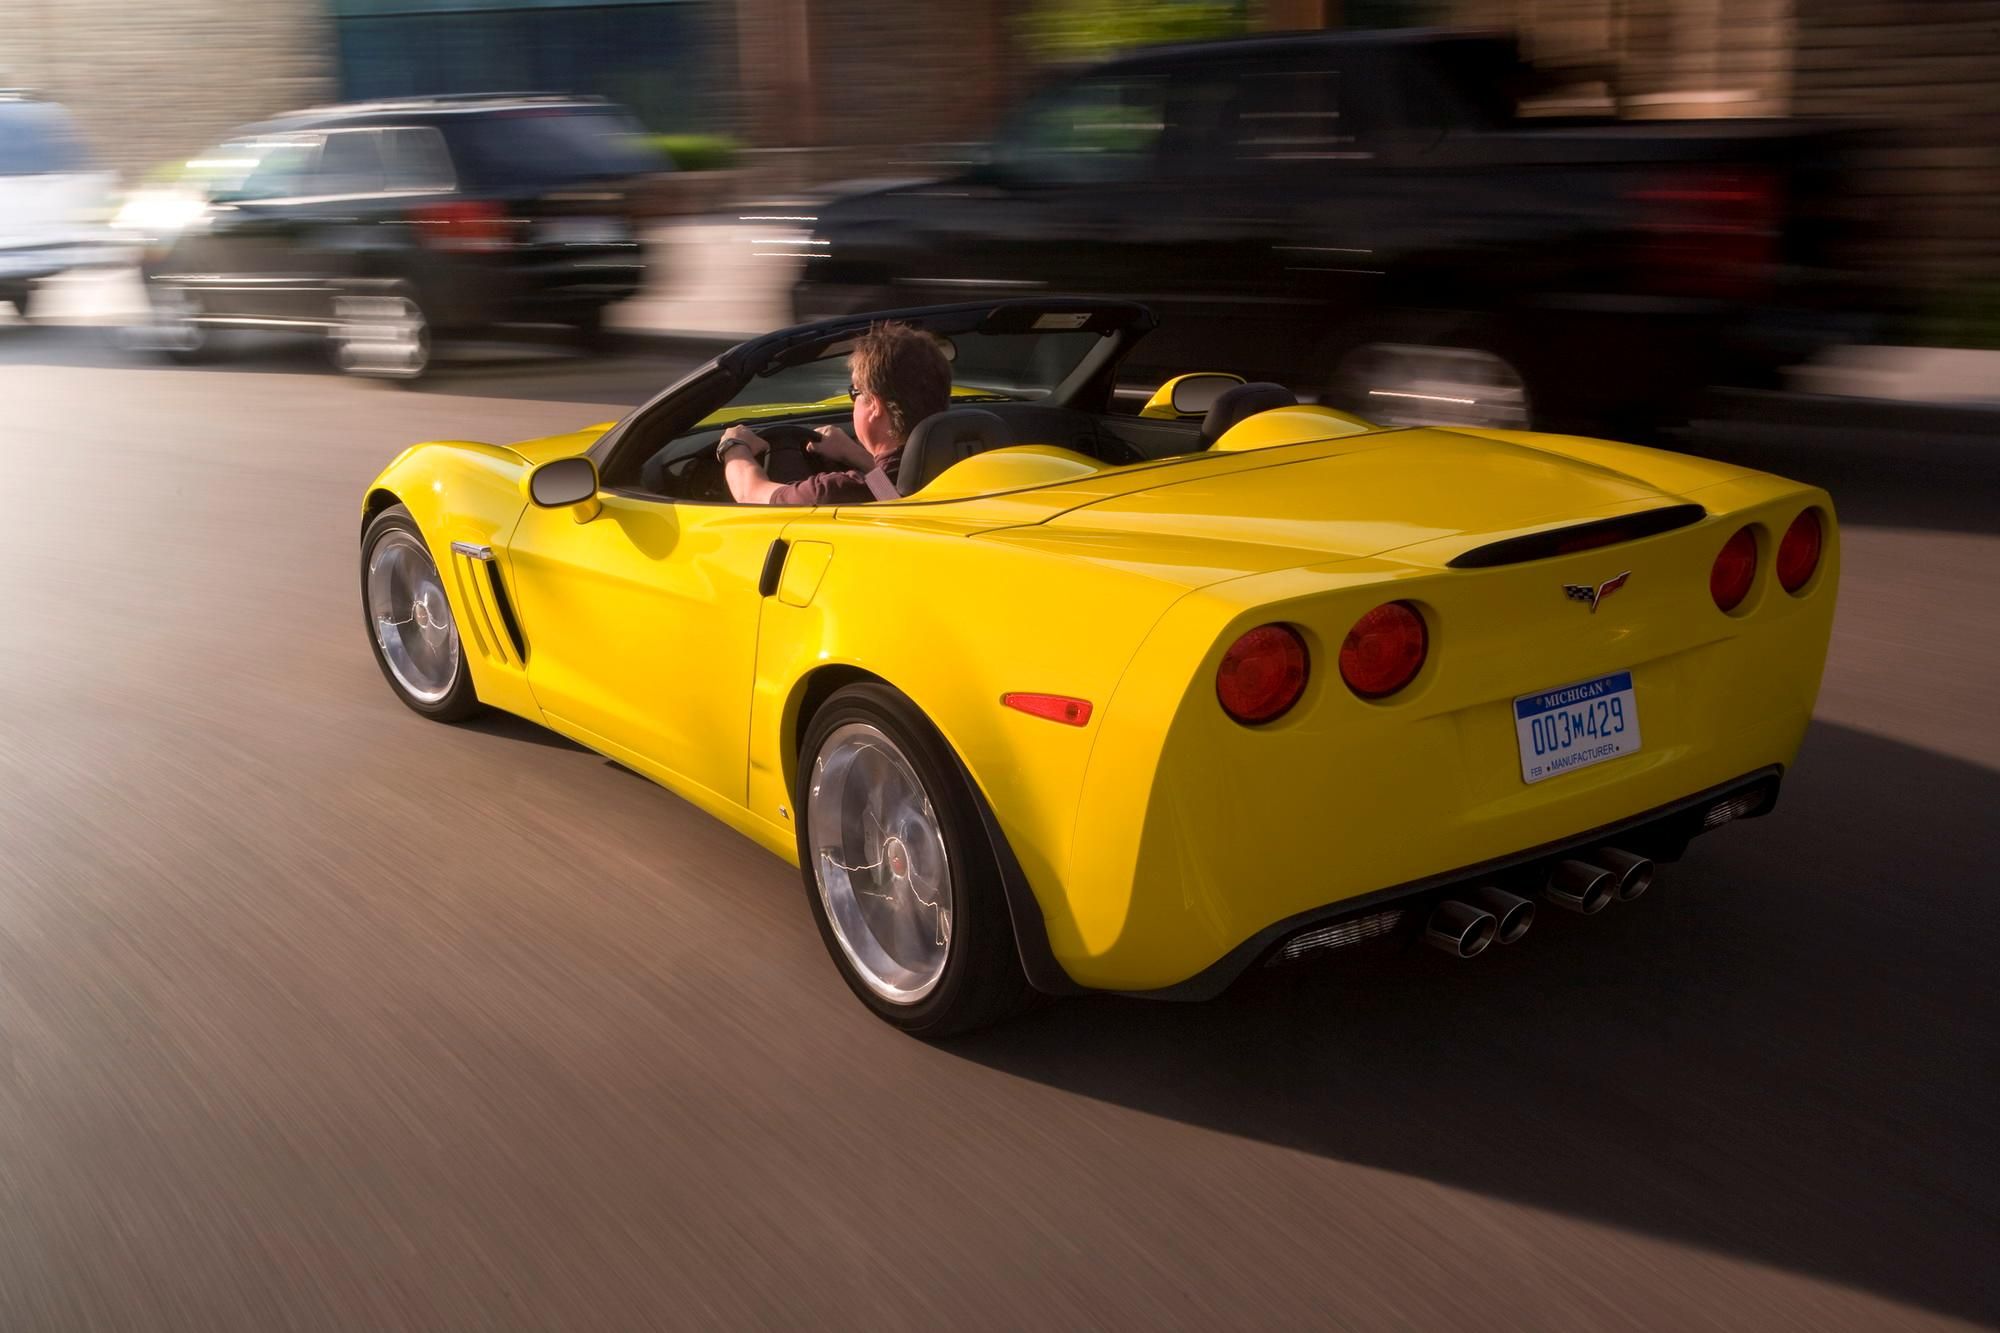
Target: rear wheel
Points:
(410, 624)
(1419, 376)
(381, 335)
(904, 886)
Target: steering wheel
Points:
(787, 460)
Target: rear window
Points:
(538, 147)
(37, 138)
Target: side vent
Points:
(488, 618)
(1579, 537)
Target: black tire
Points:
(1445, 334)
(459, 701)
(171, 334)
(16, 295)
(593, 335)
(982, 981)
(367, 311)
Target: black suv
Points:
(381, 224)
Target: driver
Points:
(898, 376)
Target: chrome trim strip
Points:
(476, 552)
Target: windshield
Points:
(537, 148)
(37, 138)
(266, 167)
(1017, 366)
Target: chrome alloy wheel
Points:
(386, 336)
(1400, 384)
(172, 325)
(879, 861)
(412, 619)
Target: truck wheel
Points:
(1432, 373)
(382, 335)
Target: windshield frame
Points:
(682, 407)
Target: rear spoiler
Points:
(1578, 537)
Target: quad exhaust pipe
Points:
(1466, 927)
(1590, 886)
(1460, 929)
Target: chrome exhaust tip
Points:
(1580, 887)
(1635, 873)
(1460, 929)
(1513, 912)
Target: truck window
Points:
(1088, 132)
(351, 163)
(1294, 114)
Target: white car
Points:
(51, 198)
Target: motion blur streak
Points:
(317, 1015)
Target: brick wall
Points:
(154, 82)
(1928, 73)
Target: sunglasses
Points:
(854, 391)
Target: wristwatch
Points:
(723, 453)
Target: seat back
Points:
(1244, 401)
(944, 438)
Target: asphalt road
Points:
(317, 1015)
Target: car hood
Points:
(1425, 495)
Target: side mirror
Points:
(1189, 395)
(564, 483)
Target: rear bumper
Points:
(1661, 834)
(1198, 841)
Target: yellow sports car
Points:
(1124, 700)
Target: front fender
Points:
(467, 492)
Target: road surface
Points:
(317, 1015)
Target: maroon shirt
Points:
(843, 488)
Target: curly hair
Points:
(905, 369)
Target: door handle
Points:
(774, 565)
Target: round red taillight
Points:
(1735, 568)
(1384, 651)
(1263, 674)
(1798, 551)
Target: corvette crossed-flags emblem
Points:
(1583, 592)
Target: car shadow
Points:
(509, 727)
(1785, 1051)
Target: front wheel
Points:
(410, 624)
(902, 881)
(174, 328)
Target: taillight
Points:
(1734, 570)
(1798, 551)
(1384, 651)
(1263, 674)
(465, 226)
(1710, 233)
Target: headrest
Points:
(1241, 402)
(944, 438)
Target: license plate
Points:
(1573, 727)
(582, 231)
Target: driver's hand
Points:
(837, 445)
(743, 435)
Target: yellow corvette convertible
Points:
(1115, 700)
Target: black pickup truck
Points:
(1372, 219)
